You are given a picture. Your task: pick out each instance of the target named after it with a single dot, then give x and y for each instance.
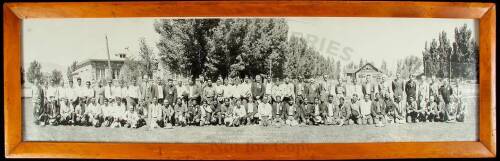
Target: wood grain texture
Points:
(16, 148)
(249, 8)
(12, 79)
(487, 102)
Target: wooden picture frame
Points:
(15, 147)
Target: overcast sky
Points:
(58, 42)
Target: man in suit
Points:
(398, 87)
(146, 89)
(157, 91)
(258, 88)
(324, 88)
(38, 98)
(378, 111)
(446, 91)
(170, 93)
(411, 88)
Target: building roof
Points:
(368, 65)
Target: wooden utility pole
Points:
(109, 59)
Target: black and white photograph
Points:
(250, 80)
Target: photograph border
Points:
(15, 13)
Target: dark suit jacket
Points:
(155, 93)
(323, 108)
(170, 94)
(381, 105)
(275, 110)
(146, 91)
(446, 92)
(258, 90)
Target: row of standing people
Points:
(155, 92)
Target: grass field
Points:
(466, 131)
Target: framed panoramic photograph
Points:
(250, 80)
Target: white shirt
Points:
(291, 110)
(116, 92)
(250, 107)
(133, 91)
(160, 91)
(107, 92)
(269, 87)
(239, 112)
(316, 110)
(89, 92)
(244, 89)
(65, 108)
(62, 92)
(52, 92)
(330, 107)
(365, 107)
(79, 91)
(180, 90)
(123, 92)
(70, 93)
(265, 109)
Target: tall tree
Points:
(183, 44)
(71, 68)
(56, 76)
(131, 70)
(409, 65)
(34, 72)
(458, 59)
(147, 57)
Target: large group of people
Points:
(260, 100)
